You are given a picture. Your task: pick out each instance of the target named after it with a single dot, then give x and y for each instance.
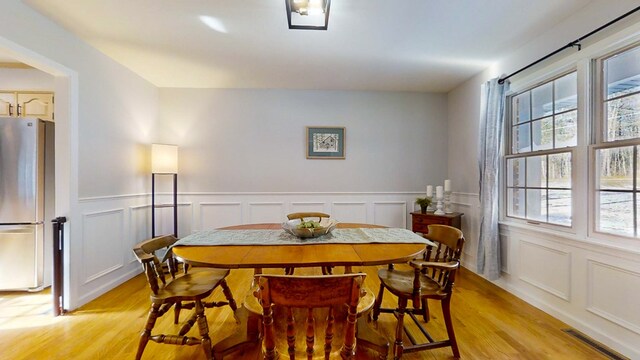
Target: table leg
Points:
(248, 333)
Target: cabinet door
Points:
(39, 105)
(7, 103)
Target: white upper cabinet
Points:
(27, 104)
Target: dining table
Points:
(229, 248)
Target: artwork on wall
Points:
(325, 142)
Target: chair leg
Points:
(425, 311)
(146, 333)
(176, 312)
(203, 327)
(378, 303)
(398, 346)
(446, 312)
(228, 295)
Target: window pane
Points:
(623, 118)
(521, 140)
(542, 134)
(615, 213)
(566, 129)
(537, 204)
(536, 171)
(560, 171)
(515, 202)
(515, 172)
(560, 207)
(566, 94)
(616, 168)
(542, 100)
(521, 108)
(623, 73)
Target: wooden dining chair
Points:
(182, 291)
(309, 292)
(326, 270)
(431, 278)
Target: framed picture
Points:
(325, 142)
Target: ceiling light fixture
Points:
(308, 14)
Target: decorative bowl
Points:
(325, 226)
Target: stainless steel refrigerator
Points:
(26, 203)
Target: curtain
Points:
(489, 156)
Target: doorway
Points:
(22, 69)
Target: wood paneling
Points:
(103, 243)
(546, 268)
(219, 214)
(613, 294)
(390, 213)
(352, 212)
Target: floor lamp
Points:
(164, 161)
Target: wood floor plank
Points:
(489, 322)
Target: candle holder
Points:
(447, 202)
(439, 206)
(430, 207)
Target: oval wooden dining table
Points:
(307, 255)
(289, 256)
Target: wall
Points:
(25, 79)
(242, 153)
(105, 115)
(568, 275)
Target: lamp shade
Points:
(164, 159)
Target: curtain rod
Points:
(575, 43)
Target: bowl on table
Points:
(309, 228)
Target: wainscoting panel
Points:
(546, 268)
(103, 243)
(469, 205)
(139, 228)
(300, 206)
(505, 259)
(352, 212)
(612, 293)
(215, 215)
(185, 219)
(265, 212)
(390, 213)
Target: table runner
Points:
(281, 237)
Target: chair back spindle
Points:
(309, 292)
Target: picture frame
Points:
(325, 142)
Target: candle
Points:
(429, 191)
(447, 185)
(439, 192)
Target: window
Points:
(617, 147)
(543, 133)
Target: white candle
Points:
(439, 192)
(429, 191)
(447, 185)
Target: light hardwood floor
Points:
(489, 323)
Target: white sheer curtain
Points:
(489, 155)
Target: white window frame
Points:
(508, 148)
(598, 142)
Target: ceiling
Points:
(409, 45)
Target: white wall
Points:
(105, 116)
(254, 140)
(25, 79)
(242, 154)
(567, 275)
